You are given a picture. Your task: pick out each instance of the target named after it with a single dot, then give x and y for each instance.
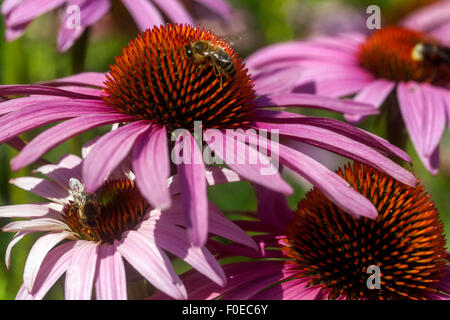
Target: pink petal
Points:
(220, 7)
(36, 89)
(272, 208)
(30, 210)
(27, 10)
(60, 133)
(240, 162)
(144, 13)
(303, 100)
(340, 127)
(20, 103)
(68, 166)
(35, 225)
(54, 265)
(9, 5)
(276, 80)
(434, 119)
(17, 237)
(151, 263)
(108, 152)
(375, 94)
(427, 17)
(213, 174)
(95, 79)
(90, 13)
(29, 118)
(81, 271)
(411, 106)
(344, 146)
(37, 254)
(110, 281)
(191, 172)
(176, 241)
(218, 224)
(151, 165)
(41, 187)
(333, 186)
(252, 287)
(175, 11)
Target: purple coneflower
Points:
(155, 88)
(372, 67)
(89, 235)
(20, 13)
(321, 252)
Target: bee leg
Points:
(218, 75)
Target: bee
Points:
(86, 205)
(433, 53)
(202, 50)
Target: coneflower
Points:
(156, 87)
(321, 252)
(411, 65)
(89, 236)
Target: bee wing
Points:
(77, 191)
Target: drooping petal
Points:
(8, 5)
(151, 263)
(213, 174)
(175, 11)
(340, 127)
(176, 241)
(95, 79)
(35, 225)
(17, 237)
(41, 187)
(144, 13)
(344, 146)
(90, 13)
(434, 119)
(151, 165)
(27, 10)
(36, 89)
(54, 265)
(247, 162)
(81, 271)
(24, 102)
(30, 210)
(276, 80)
(108, 152)
(411, 104)
(29, 118)
(61, 132)
(67, 167)
(333, 186)
(374, 94)
(302, 100)
(110, 281)
(37, 254)
(191, 174)
(218, 224)
(272, 207)
(426, 18)
(220, 7)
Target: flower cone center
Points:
(335, 250)
(393, 53)
(113, 209)
(176, 74)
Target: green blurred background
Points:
(34, 58)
